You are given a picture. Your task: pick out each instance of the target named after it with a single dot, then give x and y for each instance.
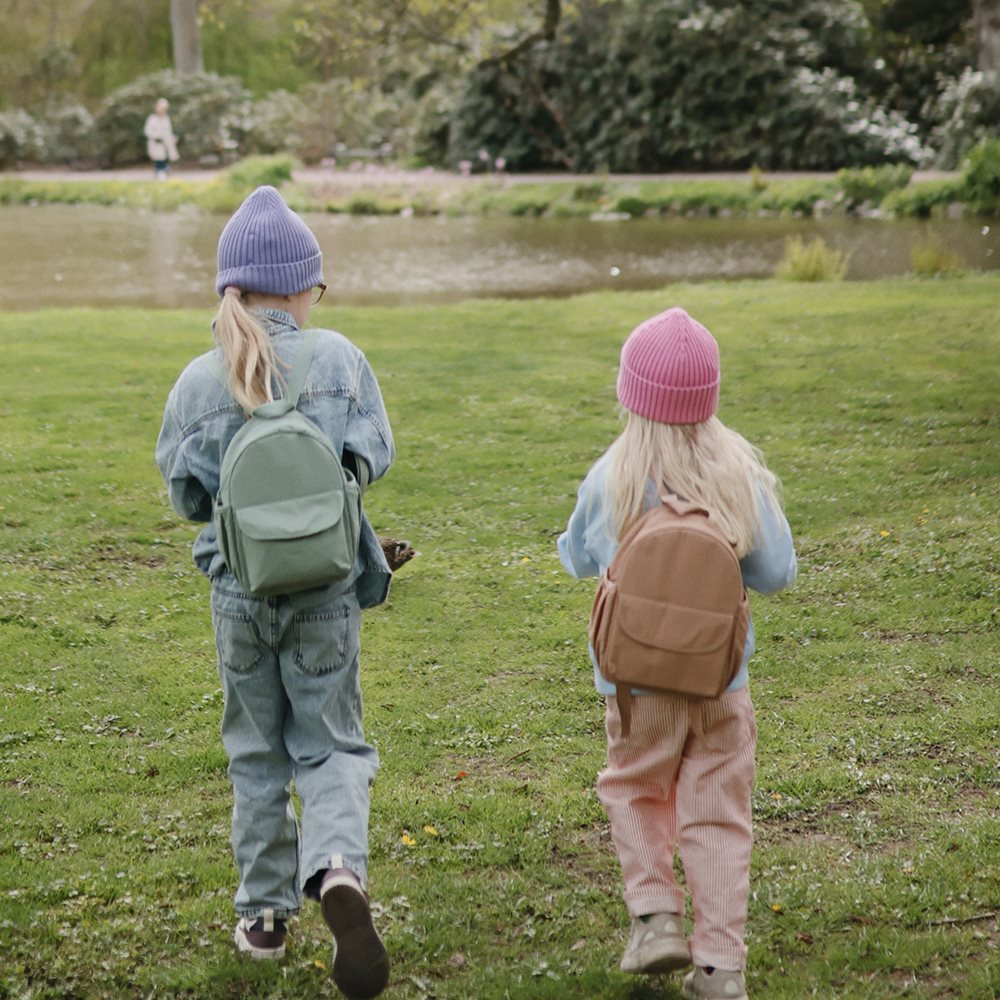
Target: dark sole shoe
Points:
(260, 944)
(361, 963)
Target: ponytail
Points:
(249, 356)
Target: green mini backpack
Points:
(288, 514)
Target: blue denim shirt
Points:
(588, 545)
(340, 395)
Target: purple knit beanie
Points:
(267, 248)
(670, 370)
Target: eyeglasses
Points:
(317, 292)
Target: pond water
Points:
(85, 255)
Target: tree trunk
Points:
(187, 36)
(986, 20)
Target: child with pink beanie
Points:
(681, 779)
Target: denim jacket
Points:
(340, 395)
(588, 545)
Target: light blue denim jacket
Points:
(588, 545)
(341, 396)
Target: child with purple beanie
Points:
(289, 665)
(682, 778)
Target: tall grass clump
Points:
(813, 261)
(931, 256)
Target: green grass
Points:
(874, 871)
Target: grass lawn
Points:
(877, 834)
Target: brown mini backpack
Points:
(671, 612)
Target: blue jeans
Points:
(289, 668)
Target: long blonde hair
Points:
(249, 355)
(706, 463)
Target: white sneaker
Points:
(720, 984)
(656, 944)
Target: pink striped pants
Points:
(683, 779)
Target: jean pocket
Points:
(236, 641)
(325, 641)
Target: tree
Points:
(187, 36)
(986, 23)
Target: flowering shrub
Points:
(688, 84)
(20, 138)
(967, 110)
(67, 135)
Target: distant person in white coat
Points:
(161, 143)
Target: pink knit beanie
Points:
(670, 370)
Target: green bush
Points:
(981, 178)
(589, 192)
(348, 122)
(362, 205)
(870, 185)
(633, 205)
(257, 170)
(275, 124)
(210, 116)
(923, 199)
(813, 261)
(798, 197)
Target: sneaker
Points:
(360, 962)
(261, 938)
(719, 984)
(656, 944)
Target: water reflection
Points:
(84, 255)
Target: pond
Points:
(58, 255)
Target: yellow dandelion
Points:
(406, 840)
(777, 907)
(884, 533)
(432, 830)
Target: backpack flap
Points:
(298, 517)
(671, 629)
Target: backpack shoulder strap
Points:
(296, 380)
(679, 506)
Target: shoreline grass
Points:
(874, 872)
(757, 195)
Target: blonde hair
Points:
(249, 356)
(706, 463)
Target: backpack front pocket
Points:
(290, 545)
